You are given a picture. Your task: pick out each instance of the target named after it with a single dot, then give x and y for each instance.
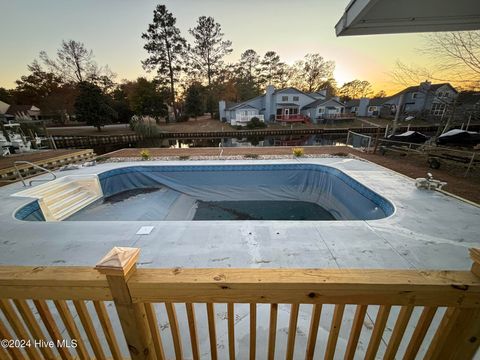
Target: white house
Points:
(282, 105)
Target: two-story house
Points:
(282, 105)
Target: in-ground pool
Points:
(228, 192)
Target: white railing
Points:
(246, 118)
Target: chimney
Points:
(425, 86)
(222, 105)
(269, 102)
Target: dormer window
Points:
(296, 98)
(284, 98)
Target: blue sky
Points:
(112, 29)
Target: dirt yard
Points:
(466, 187)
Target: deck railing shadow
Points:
(112, 311)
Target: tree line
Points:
(190, 77)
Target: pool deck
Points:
(429, 230)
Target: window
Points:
(437, 109)
(321, 110)
(414, 95)
(372, 108)
(284, 98)
(296, 98)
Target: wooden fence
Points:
(37, 303)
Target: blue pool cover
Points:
(331, 189)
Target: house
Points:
(282, 105)
(426, 99)
(351, 106)
(17, 112)
(324, 109)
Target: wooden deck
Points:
(49, 159)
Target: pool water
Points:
(260, 210)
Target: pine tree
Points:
(167, 49)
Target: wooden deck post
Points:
(458, 335)
(118, 265)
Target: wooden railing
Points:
(116, 307)
(292, 118)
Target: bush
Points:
(298, 152)
(224, 119)
(255, 123)
(183, 157)
(250, 156)
(145, 154)
(144, 125)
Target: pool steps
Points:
(65, 196)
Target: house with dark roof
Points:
(426, 99)
(282, 105)
(16, 112)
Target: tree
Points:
(195, 100)
(6, 95)
(35, 87)
(271, 68)
(313, 71)
(248, 66)
(166, 48)
(74, 62)
(208, 51)
(209, 47)
(331, 87)
(380, 94)
(145, 99)
(91, 106)
(455, 59)
(356, 89)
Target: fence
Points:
(76, 298)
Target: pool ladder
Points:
(15, 163)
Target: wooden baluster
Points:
(292, 331)
(192, 325)
(14, 352)
(152, 323)
(377, 333)
(398, 332)
(90, 330)
(102, 314)
(18, 327)
(212, 331)
(357, 325)
(172, 318)
(272, 334)
(33, 326)
(253, 331)
(118, 266)
(312, 334)
(334, 331)
(231, 330)
(419, 333)
(72, 329)
(52, 328)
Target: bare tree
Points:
(455, 59)
(356, 89)
(312, 72)
(74, 62)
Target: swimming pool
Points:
(226, 192)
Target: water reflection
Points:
(248, 141)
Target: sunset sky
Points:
(112, 29)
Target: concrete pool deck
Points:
(429, 230)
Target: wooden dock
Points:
(49, 159)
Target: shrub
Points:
(144, 125)
(255, 123)
(250, 156)
(183, 157)
(145, 154)
(298, 152)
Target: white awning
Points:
(365, 17)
